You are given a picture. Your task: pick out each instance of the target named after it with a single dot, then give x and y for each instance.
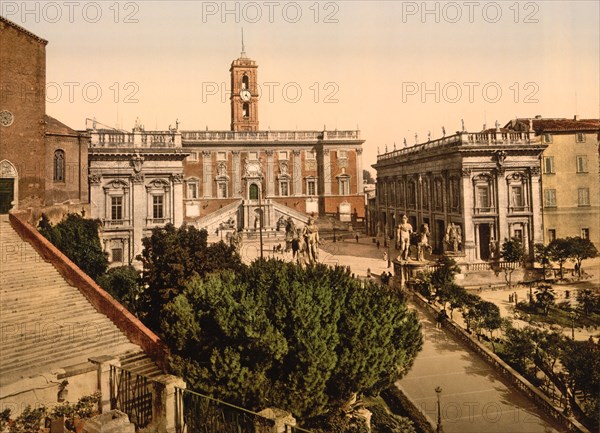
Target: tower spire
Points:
(243, 54)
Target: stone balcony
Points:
(199, 137)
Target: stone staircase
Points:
(45, 323)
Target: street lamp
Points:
(439, 428)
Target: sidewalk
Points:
(474, 398)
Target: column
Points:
(177, 203)
(297, 173)
(207, 180)
(326, 172)
(359, 172)
(536, 206)
(237, 187)
(103, 364)
(270, 174)
(163, 400)
(501, 201)
(467, 206)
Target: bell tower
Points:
(244, 93)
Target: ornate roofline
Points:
(22, 30)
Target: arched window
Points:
(246, 110)
(245, 82)
(253, 191)
(59, 165)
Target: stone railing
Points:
(505, 370)
(463, 138)
(154, 139)
(212, 136)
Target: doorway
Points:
(484, 241)
(7, 195)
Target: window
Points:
(222, 189)
(311, 187)
(59, 166)
(284, 186)
(483, 197)
(411, 194)
(551, 235)
(158, 206)
(585, 233)
(580, 137)
(245, 82)
(344, 185)
(116, 208)
(548, 164)
(221, 156)
(117, 255)
(518, 234)
(192, 190)
(454, 194)
(246, 109)
(517, 196)
(438, 194)
(550, 197)
(547, 138)
(582, 164)
(425, 186)
(283, 155)
(253, 191)
(583, 196)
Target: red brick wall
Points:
(22, 86)
(356, 202)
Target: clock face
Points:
(6, 118)
(245, 95)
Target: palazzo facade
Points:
(486, 184)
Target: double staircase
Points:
(45, 323)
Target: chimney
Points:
(576, 117)
(538, 116)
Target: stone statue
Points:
(403, 233)
(452, 237)
(310, 233)
(235, 240)
(423, 242)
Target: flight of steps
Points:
(45, 323)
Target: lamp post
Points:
(260, 222)
(572, 325)
(439, 428)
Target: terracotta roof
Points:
(554, 125)
(22, 30)
(54, 126)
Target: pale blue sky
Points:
(374, 60)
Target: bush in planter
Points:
(30, 421)
(85, 408)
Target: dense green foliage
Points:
(304, 339)
(123, 283)
(383, 422)
(77, 238)
(172, 256)
(512, 251)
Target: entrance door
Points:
(440, 232)
(484, 241)
(6, 194)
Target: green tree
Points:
(559, 251)
(454, 295)
(367, 177)
(123, 283)
(444, 272)
(588, 301)
(581, 360)
(545, 297)
(519, 348)
(303, 339)
(171, 256)
(512, 251)
(77, 238)
(581, 249)
(487, 316)
(542, 256)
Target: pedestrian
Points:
(385, 256)
(510, 298)
(378, 244)
(442, 316)
(515, 298)
(368, 272)
(356, 238)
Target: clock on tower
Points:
(244, 95)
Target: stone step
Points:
(45, 334)
(42, 307)
(37, 352)
(56, 315)
(13, 372)
(28, 279)
(48, 298)
(24, 288)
